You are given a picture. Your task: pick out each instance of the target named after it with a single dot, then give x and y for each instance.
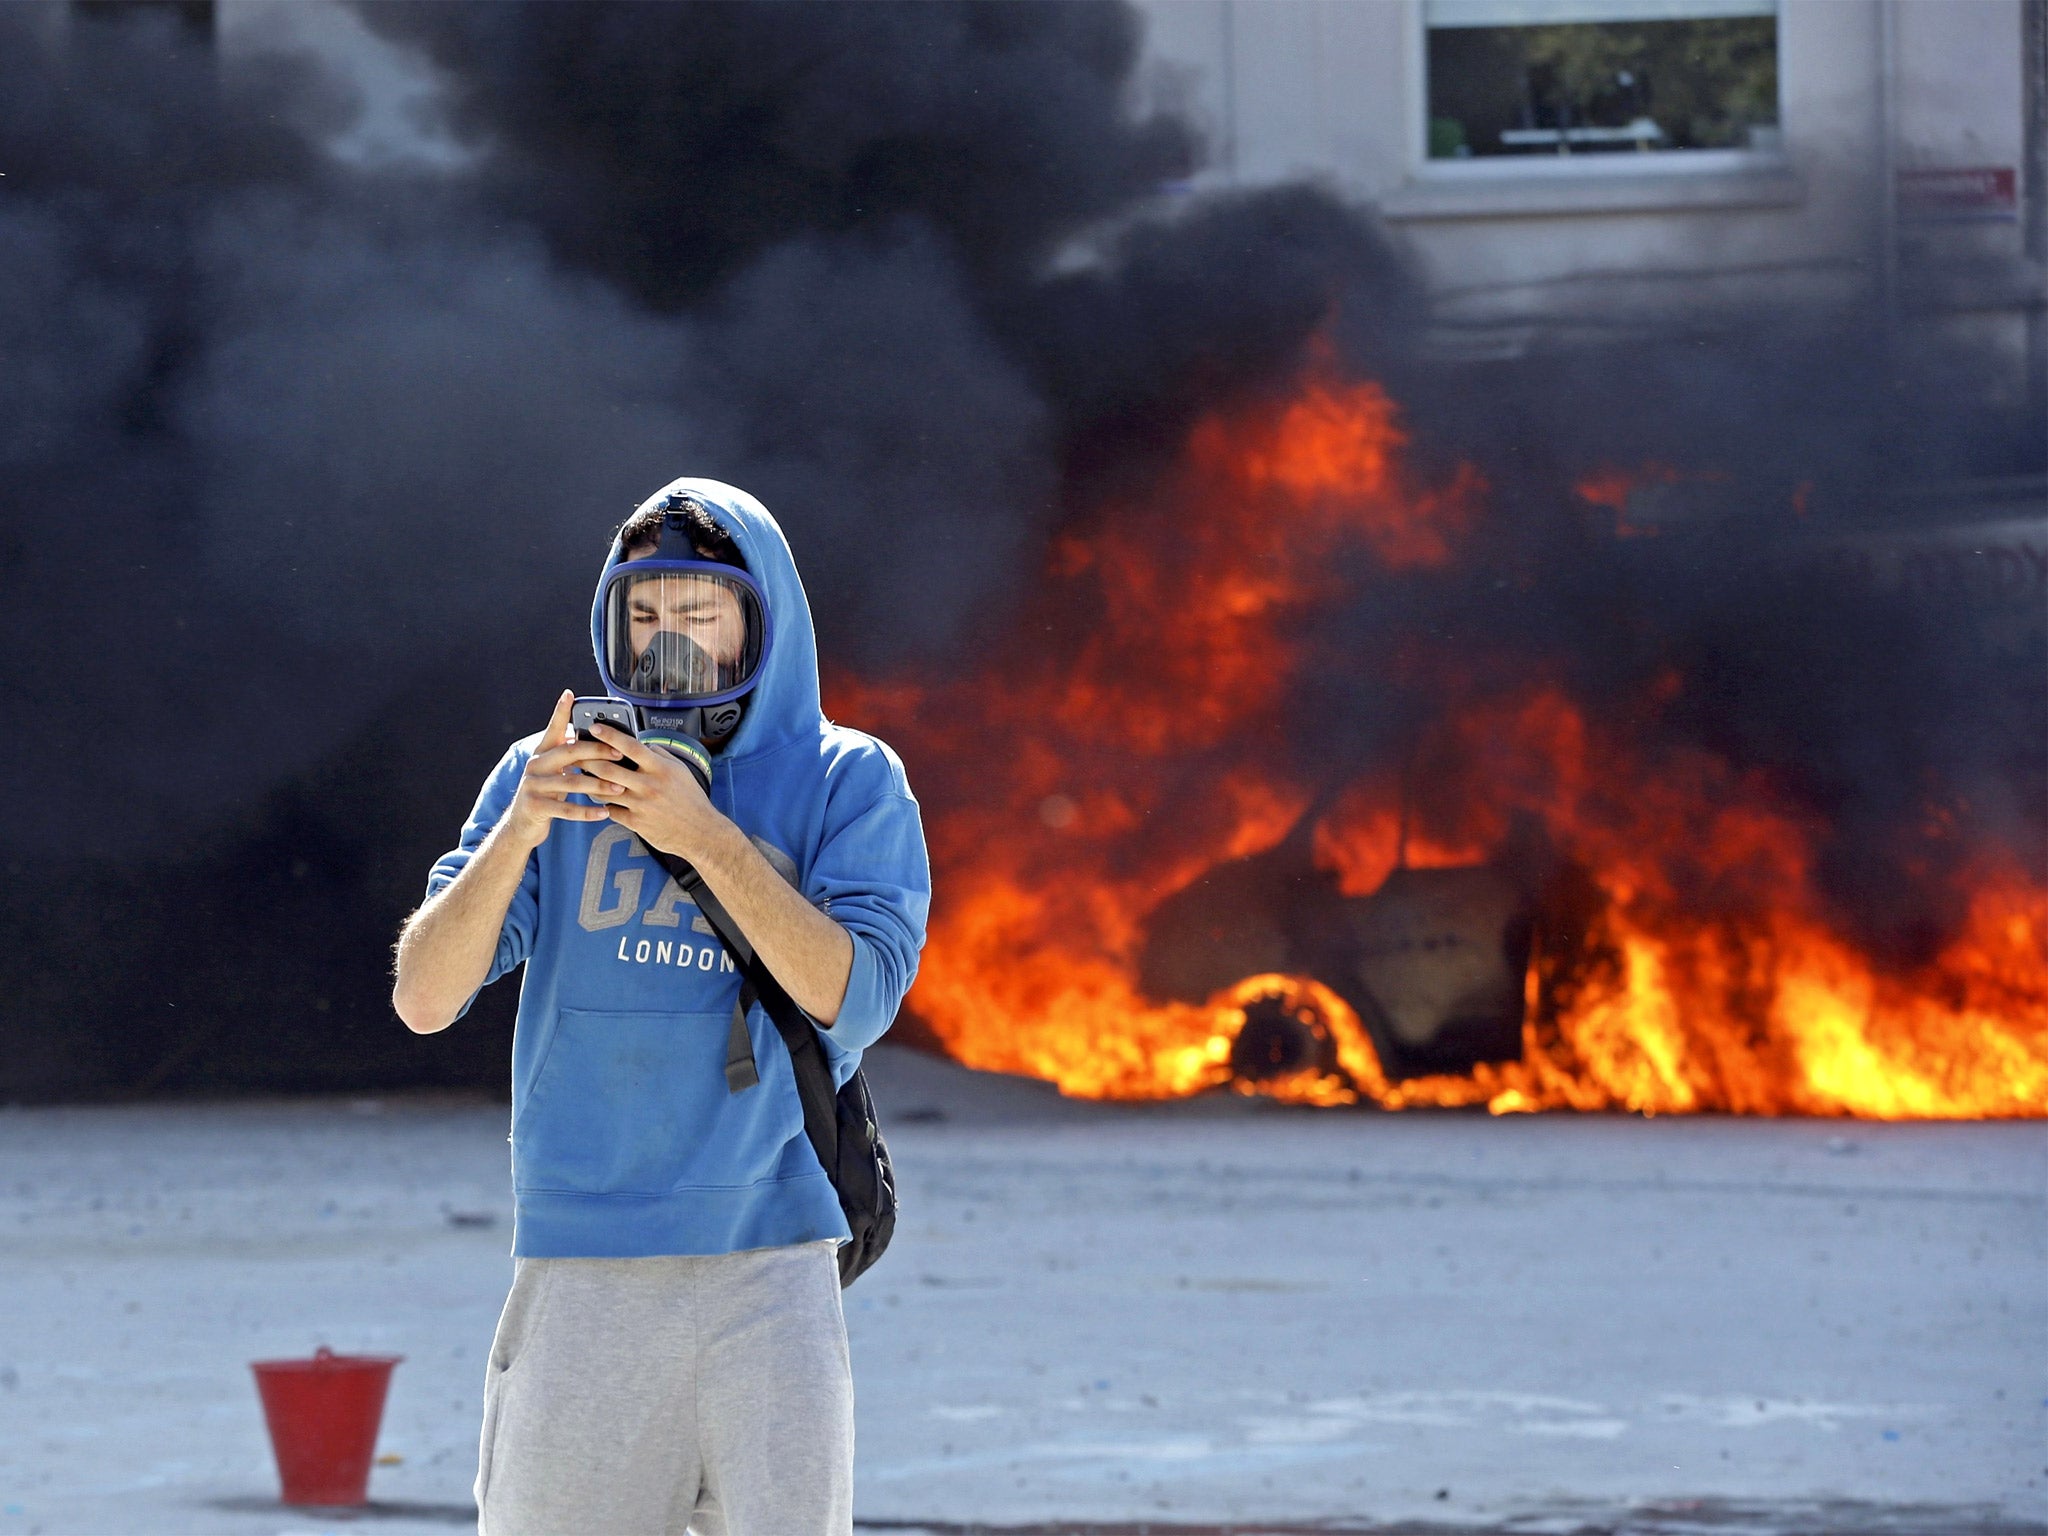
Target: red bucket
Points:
(323, 1415)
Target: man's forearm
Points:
(809, 953)
(446, 947)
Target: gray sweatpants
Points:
(646, 1397)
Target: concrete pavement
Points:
(1194, 1317)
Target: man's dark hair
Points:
(711, 538)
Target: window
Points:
(1529, 79)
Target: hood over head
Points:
(783, 705)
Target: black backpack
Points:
(841, 1125)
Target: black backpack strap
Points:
(740, 1071)
(814, 1084)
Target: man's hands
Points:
(550, 778)
(659, 800)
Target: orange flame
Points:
(1111, 756)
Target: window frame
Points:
(1534, 171)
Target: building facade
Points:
(1561, 169)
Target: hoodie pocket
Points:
(632, 1104)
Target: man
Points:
(673, 1354)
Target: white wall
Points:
(1333, 90)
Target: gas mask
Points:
(680, 642)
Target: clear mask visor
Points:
(681, 635)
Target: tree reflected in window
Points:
(1617, 77)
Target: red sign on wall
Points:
(1959, 192)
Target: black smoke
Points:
(309, 462)
(669, 147)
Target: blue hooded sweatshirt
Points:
(626, 1141)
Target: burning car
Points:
(1310, 774)
(1434, 963)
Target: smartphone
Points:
(616, 713)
